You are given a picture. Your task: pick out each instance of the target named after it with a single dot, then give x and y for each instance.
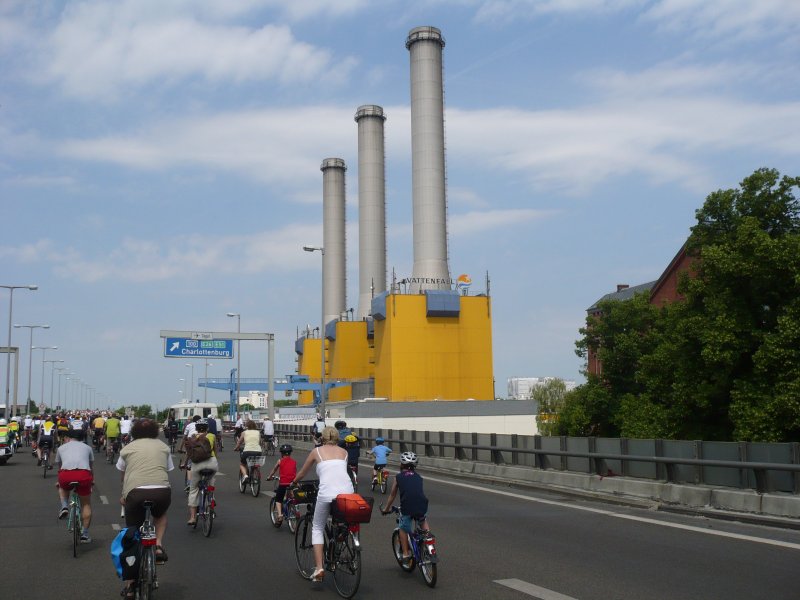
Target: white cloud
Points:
(101, 50)
(479, 221)
(507, 9)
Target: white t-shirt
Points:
(239, 424)
(125, 426)
(190, 430)
(28, 422)
(268, 428)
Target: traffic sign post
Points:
(184, 347)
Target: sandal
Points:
(318, 575)
(191, 523)
(161, 556)
(129, 591)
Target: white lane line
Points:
(533, 590)
(608, 513)
(103, 499)
(115, 526)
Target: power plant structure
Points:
(422, 338)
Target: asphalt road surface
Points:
(493, 542)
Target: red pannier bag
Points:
(352, 508)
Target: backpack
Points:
(126, 552)
(199, 449)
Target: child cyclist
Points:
(380, 452)
(287, 466)
(353, 447)
(413, 502)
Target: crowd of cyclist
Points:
(145, 462)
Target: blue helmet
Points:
(379, 440)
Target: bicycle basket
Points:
(352, 508)
(306, 491)
(256, 460)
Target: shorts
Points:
(46, 442)
(134, 511)
(245, 455)
(267, 437)
(405, 521)
(377, 467)
(82, 476)
(280, 493)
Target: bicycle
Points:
(147, 582)
(112, 449)
(173, 440)
(46, 460)
(270, 445)
(74, 517)
(27, 437)
(353, 471)
(206, 506)
(289, 510)
(381, 479)
(342, 548)
(97, 441)
(254, 464)
(422, 544)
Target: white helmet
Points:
(408, 458)
(3, 422)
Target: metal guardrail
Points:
(597, 460)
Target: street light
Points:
(205, 389)
(11, 289)
(66, 379)
(44, 350)
(238, 360)
(191, 385)
(321, 250)
(30, 357)
(51, 380)
(52, 366)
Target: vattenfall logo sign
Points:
(462, 282)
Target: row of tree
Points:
(723, 363)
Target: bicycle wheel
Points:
(427, 566)
(270, 449)
(273, 513)
(255, 482)
(201, 506)
(347, 566)
(208, 516)
(397, 548)
(147, 575)
(383, 484)
(242, 484)
(75, 524)
(293, 514)
(303, 549)
(45, 462)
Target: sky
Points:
(159, 164)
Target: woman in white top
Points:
(331, 463)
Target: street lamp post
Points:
(238, 358)
(321, 250)
(11, 289)
(44, 350)
(30, 357)
(52, 366)
(191, 384)
(59, 381)
(205, 389)
(66, 379)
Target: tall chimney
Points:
(371, 206)
(431, 270)
(333, 239)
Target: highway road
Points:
(494, 542)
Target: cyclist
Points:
(171, 430)
(287, 467)
(238, 428)
(47, 433)
(146, 463)
(112, 431)
(380, 452)
(331, 466)
(125, 429)
(62, 427)
(28, 423)
(413, 502)
(201, 431)
(249, 443)
(13, 432)
(267, 432)
(5, 434)
(75, 460)
(341, 427)
(353, 447)
(98, 424)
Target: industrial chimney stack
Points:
(371, 206)
(431, 270)
(333, 239)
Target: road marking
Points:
(533, 590)
(608, 513)
(115, 526)
(103, 499)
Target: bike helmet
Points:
(286, 449)
(379, 440)
(340, 425)
(350, 439)
(3, 422)
(408, 458)
(201, 424)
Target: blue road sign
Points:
(192, 348)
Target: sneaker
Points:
(85, 538)
(62, 514)
(407, 561)
(39, 462)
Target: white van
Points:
(186, 410)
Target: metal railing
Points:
(466, 447)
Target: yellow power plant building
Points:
(436, 345)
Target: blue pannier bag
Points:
(126, 551)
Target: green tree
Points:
(550, 398)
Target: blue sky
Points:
(159, 161)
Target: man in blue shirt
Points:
(380, 452)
